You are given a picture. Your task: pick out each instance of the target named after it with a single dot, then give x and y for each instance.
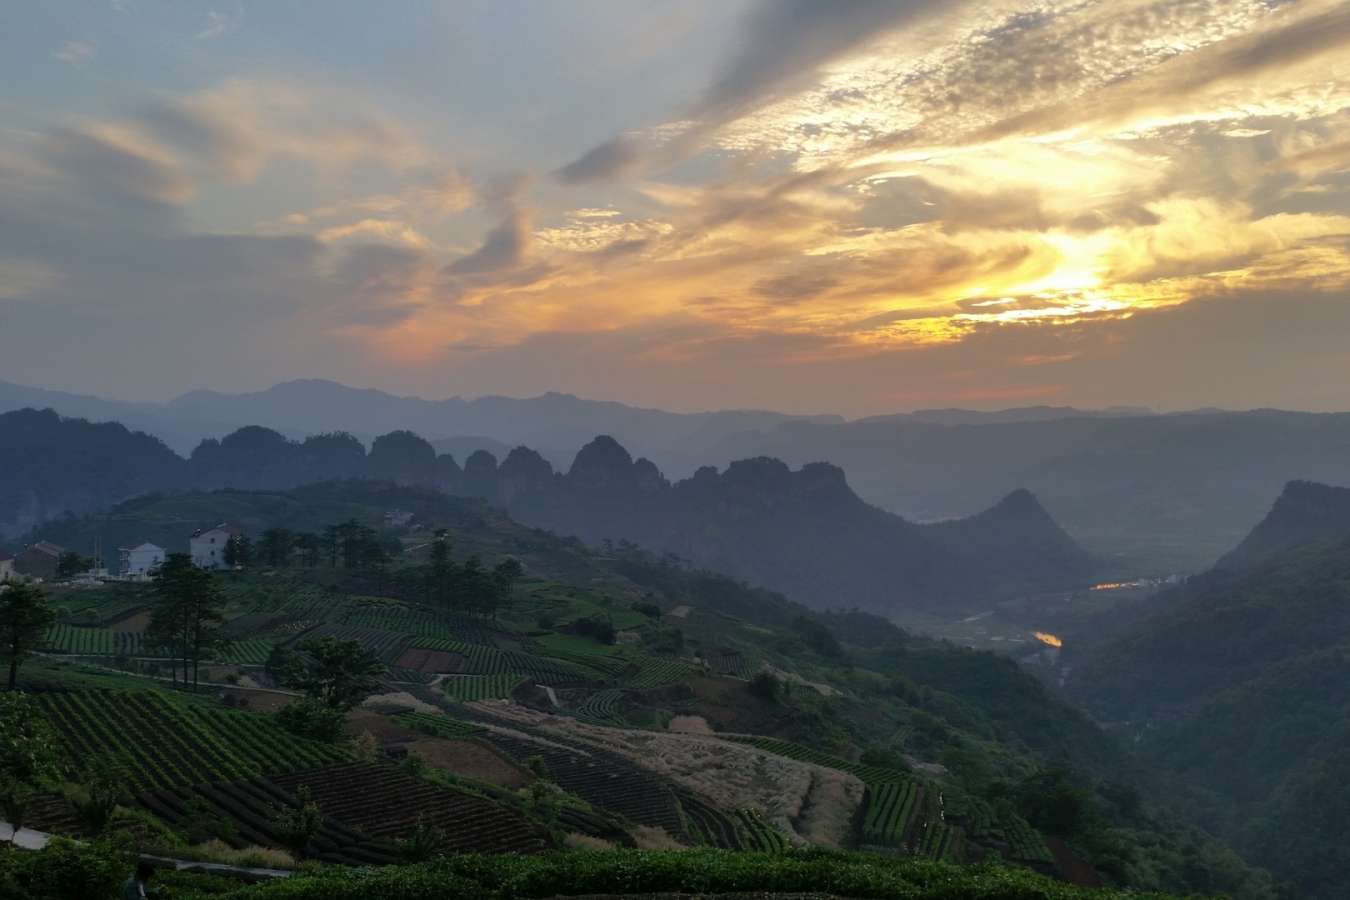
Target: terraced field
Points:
(601, 708)
(248, 652)
(477, 659)
(441, 726)
(81, 641)
(467, 688)
(384, 645)
(656, 671)
(758, 834)
(868, 774)
(247, 810)
(168, 743)
(889, 810)
(603, 780)
(383, 802)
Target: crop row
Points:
(710, 825)
(868, 774)
(1024, 842)
(655, 671)
(405, 675)
(438, 725)
(890, 806)
(605, 781)
(243, 813)
(385, 645)
(74, 639)
(249, 652)
(466, 688)
(383, 802)
(940, 841)
(477, 659)
(601, 708)
(730, 663)
(758, 834)
(165, 743)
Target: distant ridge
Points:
(804, 532)
(1305, 512)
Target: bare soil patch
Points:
(809, 802)
(134, 622)
(401, 698)
(470, 759)
(690, 725)
(431, 660)
(258, 701)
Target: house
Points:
(6, 566)
(140, 561)
(208, 546)
(39, 560)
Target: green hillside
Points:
(662, 705)
(1239, 685)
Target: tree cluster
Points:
(468, 586)
(186, 618)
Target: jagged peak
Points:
(602, 454)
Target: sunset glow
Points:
(1049, 195)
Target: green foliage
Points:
(104, 783)
(312, 719)
(422, 843)
(25, 617)
(766, 686)
(29, 755)
(336, 674)
(65, 870)
(298, 825)
(700, 872)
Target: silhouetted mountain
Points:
(806, 533)
(1304, 513)
(802, 532)
(1173, 491)
(1239, 683)
(50, 466)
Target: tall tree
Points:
(310, 546)
(275, 546)
(441, 572)
(24, 620)
(186, 616)
(238, 551)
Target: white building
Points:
(6, 567)
(141, 560)
(208, 547)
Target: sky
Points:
(853, 206)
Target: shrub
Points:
(766, 686)
(311, 719)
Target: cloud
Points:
(74, 53)
(218, 24)
(615, 157)
(503, 248)
(783, 45)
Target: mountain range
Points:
(802, 532)
(1159, 493)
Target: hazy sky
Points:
(858, 207)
